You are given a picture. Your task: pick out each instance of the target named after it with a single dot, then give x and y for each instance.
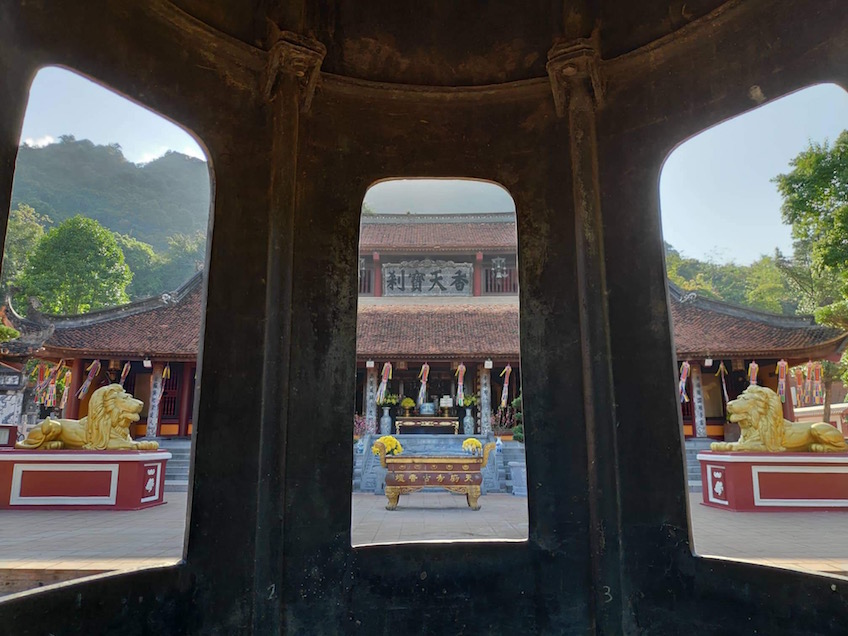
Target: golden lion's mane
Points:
(101, 413)
(769, 412)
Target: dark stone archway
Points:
(297, 127)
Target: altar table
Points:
(427, 424)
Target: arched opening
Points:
(103, 279)
(438, 422)
(749, 209)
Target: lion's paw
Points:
(147, 445)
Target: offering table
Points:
(460, 474)
(427, 424)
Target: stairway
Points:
(512, 452)
(176, 471)
(695, 445)
(358, 462)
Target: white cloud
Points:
(150, 155)
(193, 151)
(39, 142)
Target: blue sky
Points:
(716, 194)
(64, 103)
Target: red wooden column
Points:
(378, 276)
(478, 274)
(77, 371)
(788, 405)
(185, 397)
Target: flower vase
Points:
(386, 422)
(468, 422)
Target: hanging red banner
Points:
(684, 375)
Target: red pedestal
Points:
(82, 480)
(8, 435)
(774, 482)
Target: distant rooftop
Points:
(438, 232)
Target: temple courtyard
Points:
(41, 547)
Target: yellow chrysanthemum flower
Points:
(393, 446)
(472, 445)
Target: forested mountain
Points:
(150, 202)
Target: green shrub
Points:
(518, 433)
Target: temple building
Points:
(435, 289)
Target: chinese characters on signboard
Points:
(428, 278)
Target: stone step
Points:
(176, 485)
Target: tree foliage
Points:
(185, 256)
(75, 267)
(760, 285)
(24, 230)
(145, 265)
(815, 203)
(152, 202)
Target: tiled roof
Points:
(434, 330)
(33, 334)
(438, 237)
(169, 328)
(705, 328)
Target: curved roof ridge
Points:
(402, 218)
(738, 311)
(139, 306)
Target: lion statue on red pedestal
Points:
(111, 412)
(759, 413)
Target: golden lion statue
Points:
(111, 411)
(759, 413)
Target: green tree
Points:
(145, 265)
(76, 267)
(25, 229)
(815, 201)
(760, 285)
(767, 288)
(815, 204)
(811, 287)
(185, 256)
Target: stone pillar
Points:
(478, 274)
(292, 72)
(485, 408)
(699, 415)
(371, 400)
(575, 77)
(77, 373)
(378, 276)
(156, 386)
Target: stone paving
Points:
(88, 541)
(438, 516)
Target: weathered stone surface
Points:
(467, 95)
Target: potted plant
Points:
(518, 429)
(503, 422)
(390, 443)
(358, 426)
(407, 404)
